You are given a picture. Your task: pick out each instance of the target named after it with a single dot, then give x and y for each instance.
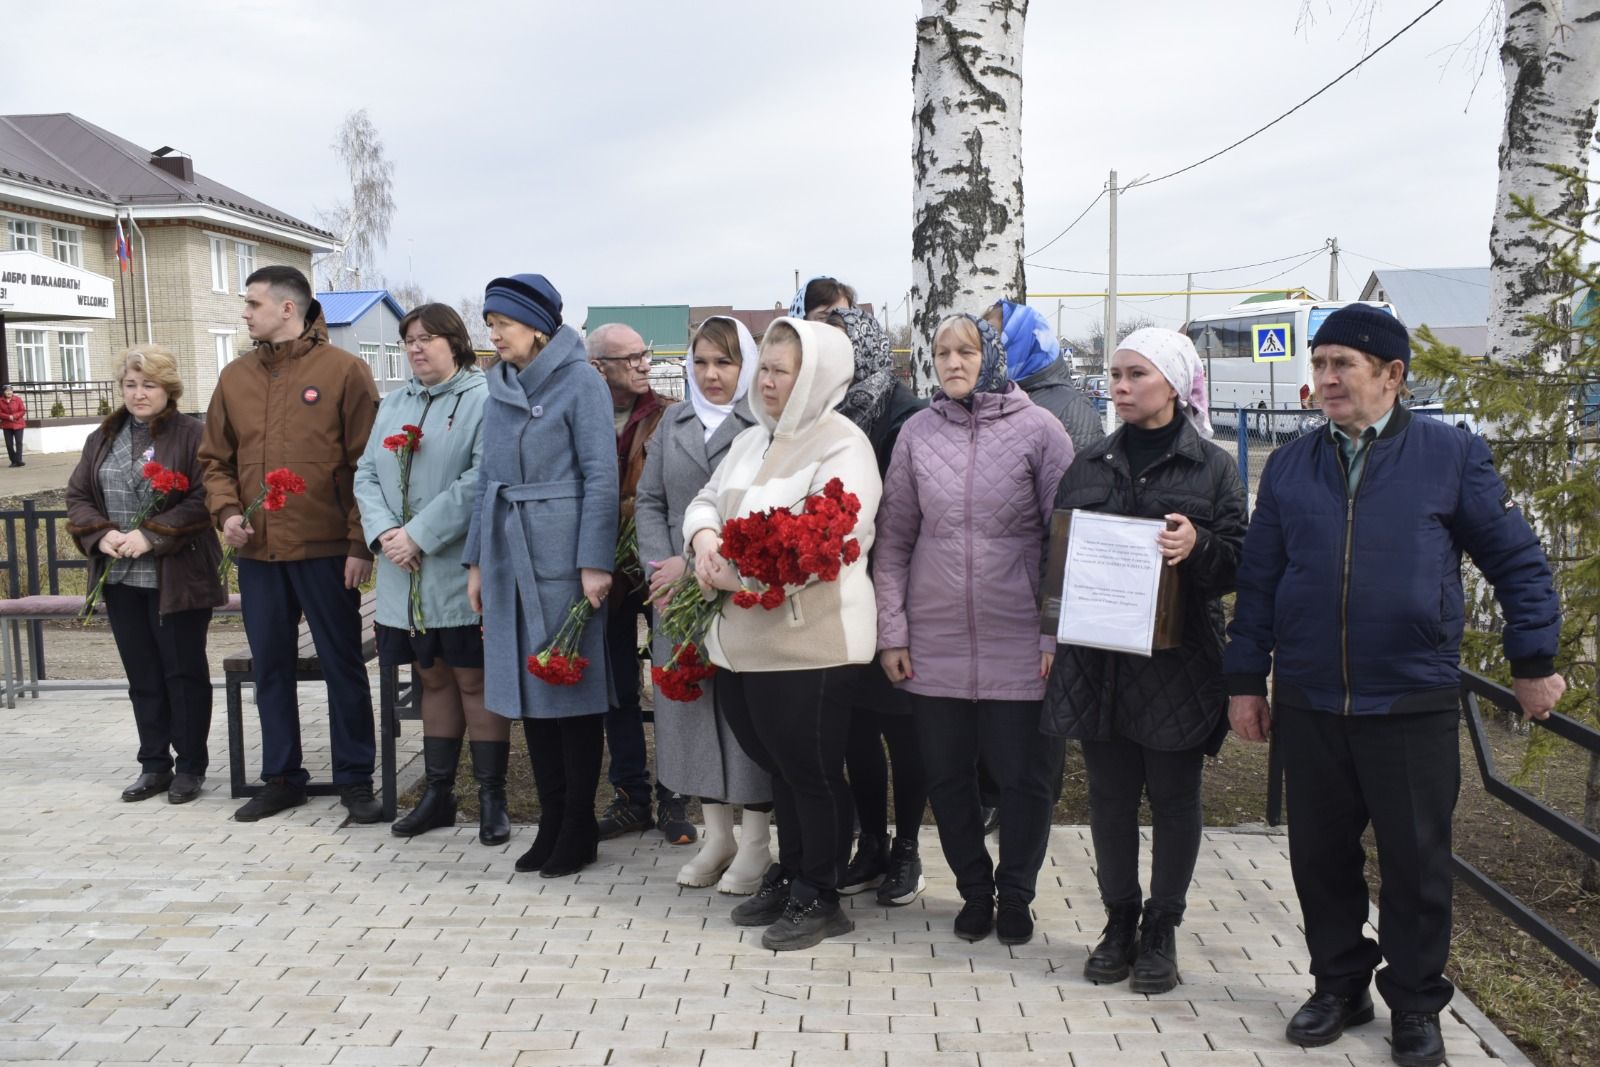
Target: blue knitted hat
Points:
(1366, 329)
(528, 298)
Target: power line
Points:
(1071, 224)
(1287, 270)
(1292, 110)
(1415, 270)
(1176, 273)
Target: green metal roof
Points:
(666, 326)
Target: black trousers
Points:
(629, 770)
(1004, 735)
(169, 678)
(794, 725)
(1401, 774)
(14, 446)
(1120, 773)
(869, 771)
(274, 596)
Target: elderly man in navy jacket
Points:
(1349, 586)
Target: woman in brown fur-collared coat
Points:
(163, 580)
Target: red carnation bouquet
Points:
(276, 490)
(404, 446)
(163, 483)
(780, 548)
(559, 663)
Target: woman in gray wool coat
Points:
(543, 533)
(696, 752)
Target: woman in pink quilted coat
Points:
(966, 507)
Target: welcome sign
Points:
(34, 286)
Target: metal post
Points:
(1333, 268)
(1243, 440)
(1110, 344)
(30, 556)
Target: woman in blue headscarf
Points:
(1033, 360)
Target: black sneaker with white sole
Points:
(904, 882)
(867, 869)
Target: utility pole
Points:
(1109, 344)
(1333, 268)
(1188, 295)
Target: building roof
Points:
(64, 154)
(665, 326)
(1443, 297)
(348, 305)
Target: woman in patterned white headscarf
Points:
(1146, 723)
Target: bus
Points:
(1238, 379)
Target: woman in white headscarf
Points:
(696, 753)
(1147, 723)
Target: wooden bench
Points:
(239, 670)
(17, 612)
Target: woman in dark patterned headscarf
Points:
(879, 403)
(961, 531)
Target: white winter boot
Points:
(716, 853)
(755, 856)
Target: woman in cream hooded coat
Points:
(784, 684)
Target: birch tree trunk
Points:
(1550, 56)
(966, 240)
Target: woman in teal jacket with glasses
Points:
(418, 534)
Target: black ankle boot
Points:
(552, 811)
(489, 762)
(437, 808)
(576, 848)
(1156, 968)
(1113, 957)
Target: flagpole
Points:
(122, 279)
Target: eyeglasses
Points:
(636, 359)
(420, 340)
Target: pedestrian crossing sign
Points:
(1272, 342)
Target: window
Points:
(73, 350)
(371, 354)
(67, 245)
(396, 371)
(32, 356)
(223, 340)
(219, 265)
(244, 256)
(24, 235)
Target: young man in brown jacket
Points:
(296, 401)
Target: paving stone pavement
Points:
(146, 933)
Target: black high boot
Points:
(1156, 969)
(1113, 957)
(582, 750)
(550, 782)
(437, 808)
(489, 762)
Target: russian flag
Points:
(124, 253)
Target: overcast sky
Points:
(702, 152)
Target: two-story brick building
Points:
(66, 186)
